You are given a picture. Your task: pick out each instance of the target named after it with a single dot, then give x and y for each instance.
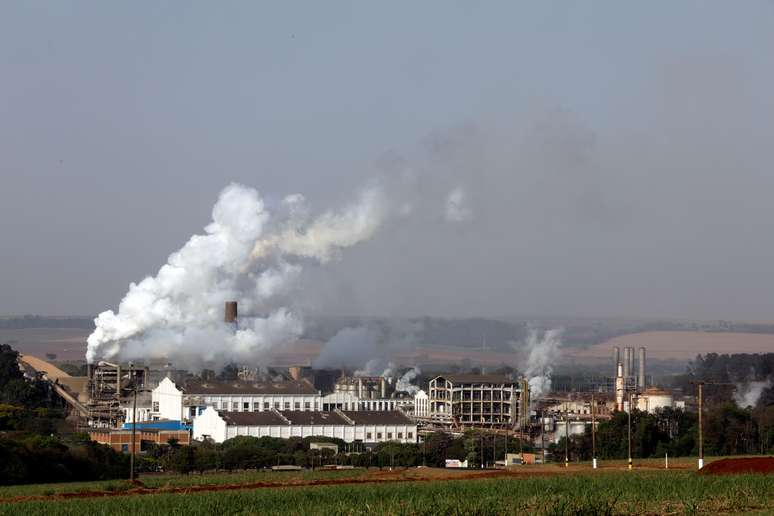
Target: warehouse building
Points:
(350, 426)
(169, 401)
(120, 439)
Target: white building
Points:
(653, 399)
(169, 401)
(348, 401)
(421, 404)
(350, 426)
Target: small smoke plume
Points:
(370, 349)
(404, 383)
(349, 348)
(247, 253)
(458, 207)
(373, 368)
(748, 394)
(542, 355)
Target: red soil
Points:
(763, 465)
(373, 477)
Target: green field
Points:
(643, 492)
(174, 480)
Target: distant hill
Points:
(20, 322)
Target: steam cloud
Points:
(247, 253)
(542, 354)
(369, 348)
(404, 383)
(748, 394)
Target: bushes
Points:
(38, 459)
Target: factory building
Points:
(476, 400)
(348, 401)
(350, 426)
(654, 399)
(120, 439)
(371, 393)
(421, 405)
(169, 401)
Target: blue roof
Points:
(159, 425)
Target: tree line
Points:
(728, 430)
(246, 452)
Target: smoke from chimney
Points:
(543, 354)
(247, 254)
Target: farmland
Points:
(546, 489)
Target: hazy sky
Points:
(617, 157)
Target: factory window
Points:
(297, 405)
(307, 405)
(234, 406)
(256, 406)
(368, 436)
(155, 406)
(389, 435)
(287, 405)
(276, 405)
(410, 435)
(246, 406)
(378, 435)
(266, 405)
(400, 435)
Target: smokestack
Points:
(627, 362)
(641, 370)
(360, 388)
(231, 312)
(616, 359)
(619, 386)
(383, 386)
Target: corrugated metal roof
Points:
(314, 418)
(250, 388)
(266, 418)
(288, 417)
(375, 417)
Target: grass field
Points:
(538, 490)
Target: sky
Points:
(615, 158)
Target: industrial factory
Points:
(157, 402)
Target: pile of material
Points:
(762, 465)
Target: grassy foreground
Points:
(174, 480)
(649, 492)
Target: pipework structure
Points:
(108, 384)
(468, 400)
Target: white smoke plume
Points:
(370, 349)
(542, 355)
(404, 383)
(247, 253)
(458, 207)
(748, 394)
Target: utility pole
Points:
(566, 437)
(593, 435)
(505, 456)
(134, 425)
(630, 430)
(494, 447)
(700, 386)
(542, 438)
